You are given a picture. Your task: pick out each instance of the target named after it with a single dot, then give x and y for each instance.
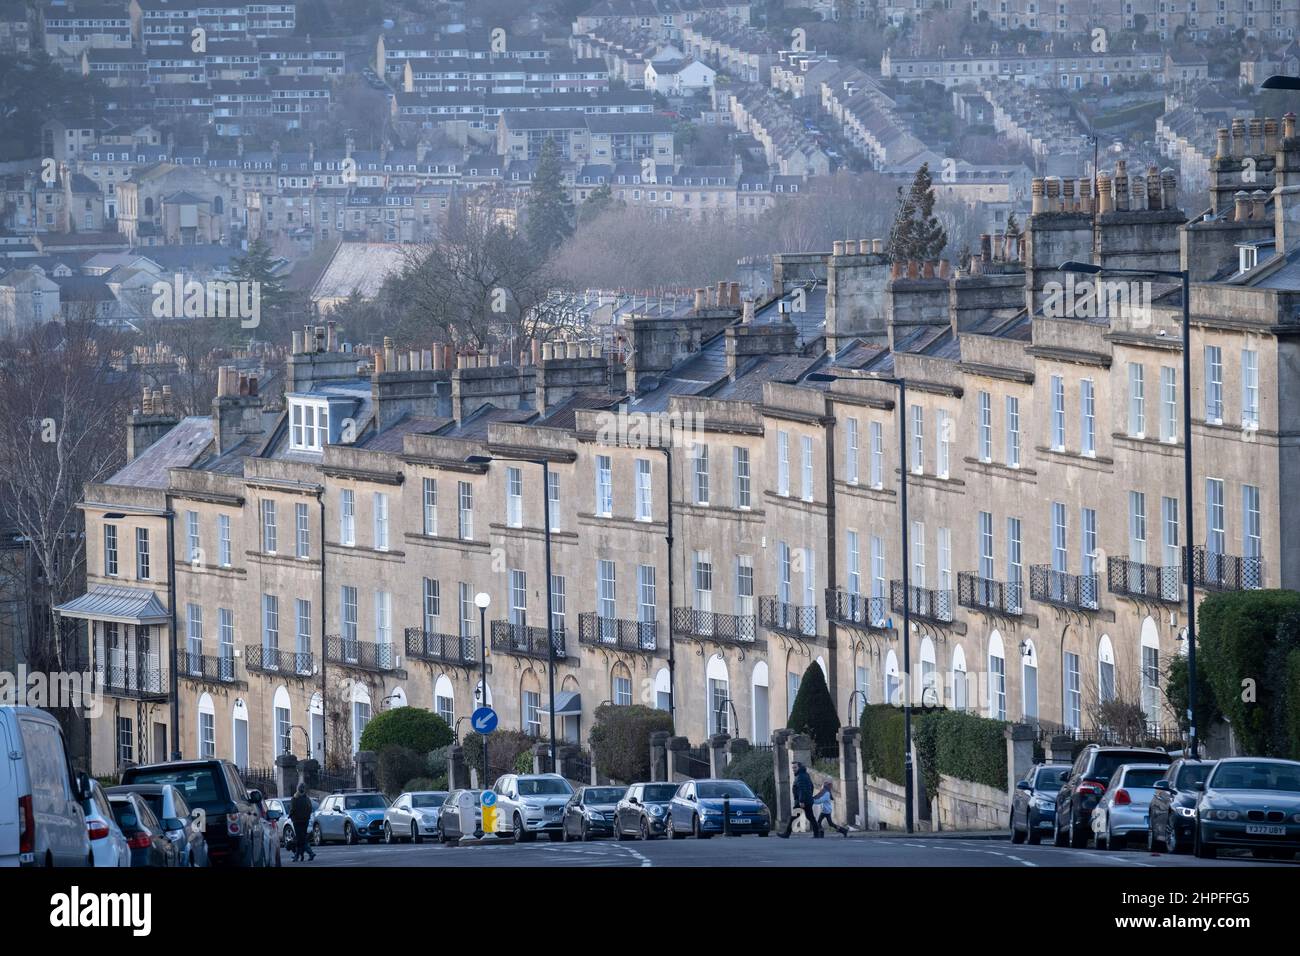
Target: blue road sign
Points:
(488, 798)
(484, 720)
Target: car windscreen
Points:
(1192, 774)
(1051, 779)
(543, 787)
(1143, 778)
(1256, 775)
(603, 795)
(433, 800)
(716, 791)
(369, 802)
(200, 786)
(1104, 767)
(125, 816)
(660, 793)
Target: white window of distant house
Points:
(1087, 418)
(383, 617)
(893, 685)
(1171, 557)
(207, 729)
(622, 690)
(1072, 708)
(360, 714)
(1060, 548)
(719, 694)
(1088, 543)
(1137, 418)
(268, 526)
(226, 640)
(1013, 431)
(851, 450)
(918, 554)
(646, 603)
(783, 463)
(740, 461)
(702, 579)
(302, 522)
(223, 540)
(1137, 527)
(791, 691)
(553, 499)
(430, 503)
(309, 423)
(700, 469)
(432, 604)
(1215, 538)
(514, 497)
(303, 631)
(986, 547)
(806, 467)
(854, 556)
(862, 684)
(604, 486)
(1252, 542)
(1058, 413)
(347, 517)
(944, 540)
(986, 427)
(194, 633)
(809, 622)
(1249, 388)
(381, 521)
(444, 701)
(878, 581)
(192, 536)
(1214, 384)
(532, 705)
(142, 553)
(464, 511)
(877, 473)
(1029, 682)
(348, 598)
(558, 592)
(606, 599)
(918, 440)
(644, 501)
(1168, 404)
(1105, 670)
(270, 622)
(942, 441)
(997, 678)
(744, 585)
(1015, 567)
(465, 604)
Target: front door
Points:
(160, 742)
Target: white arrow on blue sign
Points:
(488, 798)
(484, 720)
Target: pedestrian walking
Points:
(803, 799)
(825, 804)
(300, 814)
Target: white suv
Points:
(530, 804)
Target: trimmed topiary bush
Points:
(813, 712)
(620, 739)
(395, 766)
(882, 742)
(410, 727)
(755, 769)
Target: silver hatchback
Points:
(1122, 812)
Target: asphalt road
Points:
(750, 851)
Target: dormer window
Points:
(309, 425)
(1249, 257)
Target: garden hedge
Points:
(412, 727)
(754, 767)
(620, 739)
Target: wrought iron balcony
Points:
(985, 594)
(929, 604)
(1226, 572)
(786, 618)
(616, 633)
(137, 681)
(859, 610)
(362, 655)
(206, 667)
(1077, 591)
(273, 660)
(1144, 581)
(525, 641)
(713, 626)
(424, 645)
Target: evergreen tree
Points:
(813, 712)
(917, 233)
(1013, 226)
(550, 211)
(597, 202)
(258, 265)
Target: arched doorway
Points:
(281, 722)
(717, 697)
(997, 686)
(1029, 681)
(960, 685)
(207, 728)
(239, 733)
(761, 721)
(444, 699)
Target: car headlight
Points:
(1296, 817)
(1045, 804)
(1185, 811)
(657, 811)
(710, 813)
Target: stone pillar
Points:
(781, 774)
(565, 755)
(541, 755)
(675, 746)
(737, 747)
(457, 778)
(659, 756)
(1060, 749)
(309, 773)
(848, 807)
(286, 775)
(718, 754)
(1020, 754)
(366, 763)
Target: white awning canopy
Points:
(112, 602)
(568, 703)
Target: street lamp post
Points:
(481, 601)
(1182, 275)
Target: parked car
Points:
(698, 805)
(108, 844)
(232, 821)
(1033, 804)
(532, 803)
(349, 816)
(1122, 812)
(643, 811)
(177, 821)
(1086, 785)
(1173, 805)
(448, 822)
(413, 816)
(1251, 802)
(590, 813)
(42, 822)
(286, 828)
(144, 834)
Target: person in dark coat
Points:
(803, 799)
(300, 814)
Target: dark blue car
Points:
(698, 808)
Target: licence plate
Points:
(1260, 829)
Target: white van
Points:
(41, 820)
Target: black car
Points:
(590, 813)
(1251, 803)
(1033, 805)
(1086, 785)
(149, 844)
(233, 822)
(643, 811)
(1172, 814)
(176, 818)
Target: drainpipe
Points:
(324, 690)
(832, 558)
(175, 702)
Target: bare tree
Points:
(1117, 712)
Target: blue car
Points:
(698, 805)
(350, 816)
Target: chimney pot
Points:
(837, 247)
(877, 246)
(1288, 126)
(1222, 149)
(1241, 203)
(1270, 135)
(1239, 136)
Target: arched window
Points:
(928, 693)
(239, 733)
(997, 678)
(148, 205)
(218, 207)
(663, 689)
(360, 713)
(530, 703)
(620, 685)
(718, 696)
(1029, 681)
(892, 684)
(444, 699)
(960, 688)
(282, 722)
(759, 701)
(396, 699)
(1105, 670)
(207, 728)
(1150, 672)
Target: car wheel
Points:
(415, 834)
(583, 834)
(1078, 837)
(1203, 850)
(1059, 837)
(388, 833)
(698, 829)
(645, 831)
(1016, 835)
(1032, 835)
(1114, 842)
(518, 827)
(672, 831)
(554, 837)
(349, 835)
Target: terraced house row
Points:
(723, 496)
